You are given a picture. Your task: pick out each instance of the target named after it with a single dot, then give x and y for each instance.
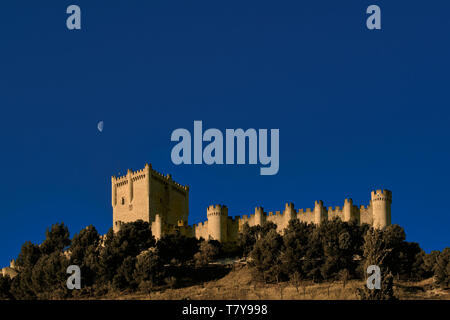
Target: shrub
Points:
(442, 268)
(5, 288)
(385, 293)
(429, 261)
(175, 247)
(249, 235)
(209, 250)
(149, 270)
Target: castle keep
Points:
(155, 198)
(150, 196)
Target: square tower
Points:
(145, 193)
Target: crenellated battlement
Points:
(318, 203)
(118, 180)
(289, 205)
(121, 183)
(347, 212)
(167, 177)
(138, 177)
(217, 210)
(145, 193)
(275, 214)
(154, 197)
(381, 195)
(217, 207)
(305, 211)
(142, 174)
(201, 224)
(259, 210)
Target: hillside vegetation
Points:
(239, 284)
(306, 261)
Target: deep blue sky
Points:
(356, 109)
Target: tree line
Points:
(337, 250)
(131, 260)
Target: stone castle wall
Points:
(145, 194)
(148, 195)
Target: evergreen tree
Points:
(177, 248)
(132, 239)
(442, 268)
(386, 292)
(314, 255)
(21, 285)
(393, 239)
(84, 252)
(208, 251)
(429, 261)
(149, 269)
(378, 248)
(28, 256)
(49, 276)
(249, 235)
(339, 247)
(266, 256)
(56, 240)
(124, 278)
(295, 245)
(5, 288)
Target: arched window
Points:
(123, 200)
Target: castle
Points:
(155, 198)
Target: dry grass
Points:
(238, 285)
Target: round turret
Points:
(348, 206)
(157, 227)
(318, 212)
(217, 222)
(381, 208)
(259, 216)
(289, 213)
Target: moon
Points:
(100, 126)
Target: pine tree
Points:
(442, 268)
(266, 256)
(385, 293)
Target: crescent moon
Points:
(100, 126)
